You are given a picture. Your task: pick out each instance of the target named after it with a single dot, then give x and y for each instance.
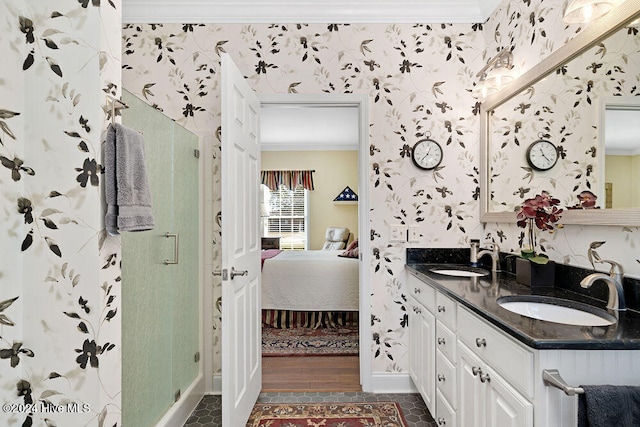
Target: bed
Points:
(309, 288)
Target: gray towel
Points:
(126, 185)
(608, 405)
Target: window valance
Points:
(289, 178)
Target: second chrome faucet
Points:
(614, 280)
(477, 253)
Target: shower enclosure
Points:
(160, 274)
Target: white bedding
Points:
(310, 281)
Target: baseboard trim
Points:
(217, 384)
(178, 414)
(387, 382)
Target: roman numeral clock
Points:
(426, 154)
(542, 155)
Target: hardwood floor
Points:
(311, 373)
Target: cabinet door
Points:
(505, 407)
(485, 399)
(471, 391)
(422, 352)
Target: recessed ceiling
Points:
(308, 127)
(307, 11)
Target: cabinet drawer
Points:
(445, 414)
(446, 378)
(511, 359)
(446, 341)
(423, 293)
(446, 310)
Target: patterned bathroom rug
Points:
(369, 414)
(339, 341)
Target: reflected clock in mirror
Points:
(558, 100)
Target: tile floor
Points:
(209, 414)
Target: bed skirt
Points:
(283, 319)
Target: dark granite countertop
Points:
(479, 295)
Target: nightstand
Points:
(270, 243)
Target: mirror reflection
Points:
(621, 138)
(579, 108)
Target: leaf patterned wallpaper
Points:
(59, 277)
(418, 79)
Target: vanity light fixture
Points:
(584, 11)
(494, 75)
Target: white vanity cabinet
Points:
(422, 326)
(446, 350)
(495, 376)
(471, 373)
(432, 349)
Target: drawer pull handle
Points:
(441, 341)
(441, 309)
(481, 342)
(441, 421)
(417, 291)
(485, 378)
(476, 371)
(440, 377)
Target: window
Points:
(285, 215)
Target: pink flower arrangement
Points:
(543, 212)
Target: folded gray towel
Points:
(608, 405)
(127, 189)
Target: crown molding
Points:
(307, 11)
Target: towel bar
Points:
(114, 107)
(551, 377)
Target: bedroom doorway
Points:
(295, 123)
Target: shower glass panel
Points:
(160, 307)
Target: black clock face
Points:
(542, 155)
(427, 154)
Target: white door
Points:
(241, 336)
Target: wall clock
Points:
(542, 155)
(426, 154)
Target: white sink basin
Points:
(556, 310)
(459, 271)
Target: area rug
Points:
(369, 414)
(340, 341)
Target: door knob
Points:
(222, 273)
(235, 273)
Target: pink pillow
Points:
(352, 245)
(353, 253)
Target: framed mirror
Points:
(568, 100)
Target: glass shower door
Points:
(160, 307)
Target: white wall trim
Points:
(180, 411)
(307, 11)
(392, 382)
(217, 384)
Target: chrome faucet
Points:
(614, 280)
(476, 254)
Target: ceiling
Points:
(308, 127)
(307, 11)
